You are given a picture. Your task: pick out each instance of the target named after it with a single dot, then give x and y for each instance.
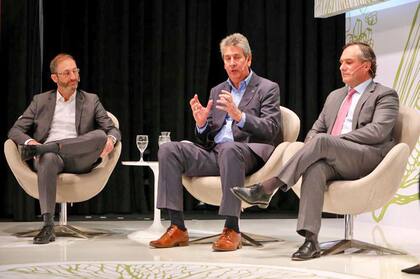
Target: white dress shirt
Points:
(63, 125)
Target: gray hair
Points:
(237, 40)
(58, 58)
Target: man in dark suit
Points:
(348, 140)
(63, 130)
(236, 133)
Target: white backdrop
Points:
(392, 29)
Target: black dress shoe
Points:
(412, 270)
(309, 250)
(254, 195)
(46, 235)
(27, 151)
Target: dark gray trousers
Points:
(76, 155)
(231, 160)
(324, 158)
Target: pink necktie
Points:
(342, 113)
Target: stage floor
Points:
(125, 253)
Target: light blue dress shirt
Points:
(225, 134)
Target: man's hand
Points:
(33, 142)
(225, 103)
(109, 146)
(200, 113)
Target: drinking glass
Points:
(163, 139)
(142, 141)
(166, 133)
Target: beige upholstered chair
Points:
(208, 189)
(352, 197)
(70, 187)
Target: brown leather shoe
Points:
(171, 238)
(229, 240)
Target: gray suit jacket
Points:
(374, 117)
(261, 104)
(36, 121)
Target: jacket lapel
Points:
(336, 107)
(49, 108)
(249, 91)
(220, 115)
(79, 108)
(362, 100)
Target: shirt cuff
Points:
(26, 141)
(241, 123)
(114, 139)
(201, 130)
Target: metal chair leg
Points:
(63, 229)
(247, 239)
(340, 246)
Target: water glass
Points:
(142, 141)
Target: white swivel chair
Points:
(208, 189)
(352, 197)
(71, 187)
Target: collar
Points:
(362, 86)
(60, 98)
(244, 83)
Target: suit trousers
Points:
(76, 155)
(321, 159)
(231, 160)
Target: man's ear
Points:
(54, 78)
(368, 66)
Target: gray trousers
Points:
(76, 155)
(324, 158)
(231, 160)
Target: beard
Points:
(68, 85)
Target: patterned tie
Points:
(342, 113)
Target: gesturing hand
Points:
(109, 146)
(200, 113)
(226, 103)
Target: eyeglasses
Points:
(67, 73)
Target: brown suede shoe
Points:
(229, 240)
(171, 238)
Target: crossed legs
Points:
(321, 159)
(77, 155)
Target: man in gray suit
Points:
(63, 130)
(348, 140)
(236, 133)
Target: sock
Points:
(48, 219)
(269, 186)
(177, 218)
(232, 222)
(48, 147)
(311, 236)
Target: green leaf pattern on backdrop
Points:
(407, 84)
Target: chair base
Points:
(68, 231)
(412, 270)
(247, 239)
(340, 246)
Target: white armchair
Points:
(71, 187)
(208, 189)
(352, 197)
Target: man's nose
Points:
(73, 75)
